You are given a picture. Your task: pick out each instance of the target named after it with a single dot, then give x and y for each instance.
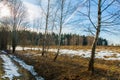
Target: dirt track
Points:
(12, 70)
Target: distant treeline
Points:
(27, 38)
(33, 38)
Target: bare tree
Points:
(46, 13)
(102, 21)
(17, 20)
(91, 62)
(65, 10)
(61, 25)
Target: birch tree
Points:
(91, 62)
(65, 12)
(104, 19)
(61, 25)
(103, 6)
(46, 13)
(18, 19)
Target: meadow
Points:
(72, 68)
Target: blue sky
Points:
(80, 25)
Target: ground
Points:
(67, 66)
(13, 68)
(75, 67)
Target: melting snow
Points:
(26, 48)
(4, 52)
(107, 55)
(28, 67)
(10, 68)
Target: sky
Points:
(35, 12)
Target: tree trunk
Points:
(13, 45)
(59, 37)
(59, 44)
(13, 49)
(57, 54)
(43, 49)
(44, 39)
(14, 40)
(91, 62)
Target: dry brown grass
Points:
(99, 48)
(1, 68)
(72, 68)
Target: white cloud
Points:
(34, 11)
(4, 10)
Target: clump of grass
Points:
(1, 69)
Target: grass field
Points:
(1, 68)
(73, 68)
(113, 48)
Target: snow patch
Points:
(10, 68)
(4, 52)
(107, 55)
(19, 48)
(27, 67)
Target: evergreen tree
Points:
(85, 42)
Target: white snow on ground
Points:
(105, 54)
(10, 68)
(108, 55)
(26, 48)
(4, 52)
(27, 67)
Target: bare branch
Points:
(108, 5)
(89, 14)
